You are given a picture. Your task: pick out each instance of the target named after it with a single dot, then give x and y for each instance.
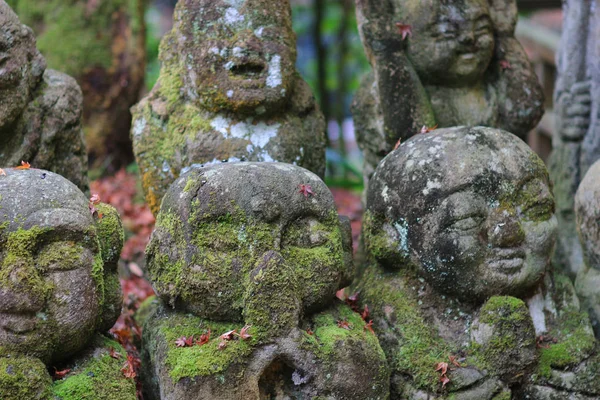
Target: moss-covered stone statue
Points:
(40, 109)
(228, 90)
(444, 63)
(59, 290)
(102, 45)
(256, 245)
(587, 211)
(459, 231)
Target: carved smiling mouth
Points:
(508, 261)
(17, 324)
(248, 69)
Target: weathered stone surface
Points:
(576, 145)
(459, 232)
(460, 66)
(228, 90)
(58, 278)
(247, 244)
(587, 212)
(40, 110)
(102, 45)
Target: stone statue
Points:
(441, 63)
(102, 44)
(40, 109)
(587, 212)
(459, 232)
(576, 144)
(259, 246)
(59, 290)
(228, 90)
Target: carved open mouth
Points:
(248, 69)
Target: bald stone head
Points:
(470, 208)
(587, 211)
(58, 280)
(236, 55)
(229, 234)
(21, 65)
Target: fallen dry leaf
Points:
(344, 325)
(365, 313)
(369, 327)
(442, 367)
(244, 333)
(24, 165)
(204, 338)
(426, 129)
(228, 335)
(306, 190)
(113, 353)
(404, 30)
(60, 374)
(185, 341)
(445, 380)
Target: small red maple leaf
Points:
(222, 344)
(365, 313)
(445, 380)
(24, 165)
(185, 341)
(505, 64)
(442, 367)
(310, 332)
(129, 367)
(426, 129)
(244, 332)
(113, 353)
(369, 327)
(454, 361)
(306, 190)
(341, 294)
(344, 325)
(404, 30)
(397, 144)
(95, 199)
(228, 335)
(60, 374)
(204, 338)
(352, 301)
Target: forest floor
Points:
(123, 191)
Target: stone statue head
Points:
(21, 65)
(230, 237)
(470, 209)
(238, 55)
(587, 211)
(58, 278)
(452, 42)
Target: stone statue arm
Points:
(573, 107)
(520, 95)
(404, 103)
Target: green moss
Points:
(24, 378)
(419, 348)
(72, 39)
(98, 377)
(203, 360)
(189, 185)
(110, 233)
(504, 395)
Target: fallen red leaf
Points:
(95, 199)
(365, 313)
(306, 190)
(404, 30)
(185, 341)
(244, 333)
(113, 353)
(310, 332)
(454, 361)
(204, 338)
(442, 367)
(343, 325)
(228, 335)
(24, 165)
(369, 326)
(426, 129)
(445, 380)
(341, 294)
(60, 374)
(222, 344)
(398, 143)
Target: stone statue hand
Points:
(575, 109)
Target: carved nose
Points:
(21, 290)
(467, 37)
(505, 230)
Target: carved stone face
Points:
(225, 230)
(587, 211)
(452, 42)
(471, 208)
(18, 56)
(51, 268)
(239, 54)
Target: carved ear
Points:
(346, 230)
(110, 235)
(386, 241)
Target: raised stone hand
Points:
(575, 107)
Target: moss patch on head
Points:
(97, 377)
(110, 233)
(208, 359)
(24, 378)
